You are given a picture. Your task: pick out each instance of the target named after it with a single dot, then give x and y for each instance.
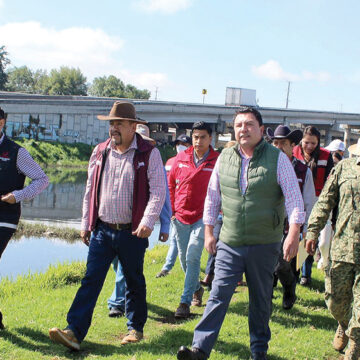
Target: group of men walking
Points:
(264, 195)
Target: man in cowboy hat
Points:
(124, 195)
(285, 140)
(342, 276)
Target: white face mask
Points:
(180, 148)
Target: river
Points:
(58, 205)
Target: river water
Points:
(59, 205)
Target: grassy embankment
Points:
(76, 155)
(33, 304)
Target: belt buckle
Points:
(118, 226)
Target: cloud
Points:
(163, 6)
(93, 51)
(272, 70)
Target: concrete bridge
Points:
(73, 118)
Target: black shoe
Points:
(116, 312)
(2, 327)
(190, 354)
(289, 296)
(259, 355)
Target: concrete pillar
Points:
(347, 133)
(327, 136)
(214, 135)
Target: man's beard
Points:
(114, 140)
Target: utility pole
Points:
(156, 92)
(287, 96)
(204, 92)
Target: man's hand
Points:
(311, 246)
(210, 240)
(9, 198)
(291, 243)
(142, 231)
(85, 236)
(163, 237)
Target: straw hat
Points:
(144, 131)
(122, 110)
(355, 149)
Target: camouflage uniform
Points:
(342, 276)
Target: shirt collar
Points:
(357, 160)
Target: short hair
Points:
(250, 110)
(2, 114)
(201, 125)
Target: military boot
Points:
(353, 351)
(340, 339)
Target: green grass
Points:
(59, 154)
(34, 303)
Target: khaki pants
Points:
(342, 296)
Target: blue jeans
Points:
(172, 252)
(258, 262)
(105, 244)
(190, 242)
(117, 298)
(307, 267)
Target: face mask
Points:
(180, 148)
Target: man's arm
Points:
(294, 205)
(85, 231)
(212, 208)
(157, 187)
(30, 168)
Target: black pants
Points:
(5, 236)
(286, 271)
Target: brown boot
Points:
(353, 351)
(340, 339)
(183, 311)
(197, 297)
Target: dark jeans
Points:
(5, 236)
(105, 244)
(307, 267)
(258, 262)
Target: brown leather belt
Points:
(118, 226)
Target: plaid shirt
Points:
(286, 179)
(27, 166)
(117, 187)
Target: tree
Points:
(4, 61)
(66, 81)
(111, 86)
(20, 79)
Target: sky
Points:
(176, 48)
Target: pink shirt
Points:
(286, 178)
(117, 187)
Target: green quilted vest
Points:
(257, 217)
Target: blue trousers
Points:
(105, 244)
(258, 262)
(172, 252)
(307, 267)
(117, 298)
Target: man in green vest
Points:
(252, 182)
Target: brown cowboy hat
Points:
(122, 110)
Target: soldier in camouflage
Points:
(342, 275)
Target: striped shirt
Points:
(117, 187)
(27, 166)
(286, 178)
